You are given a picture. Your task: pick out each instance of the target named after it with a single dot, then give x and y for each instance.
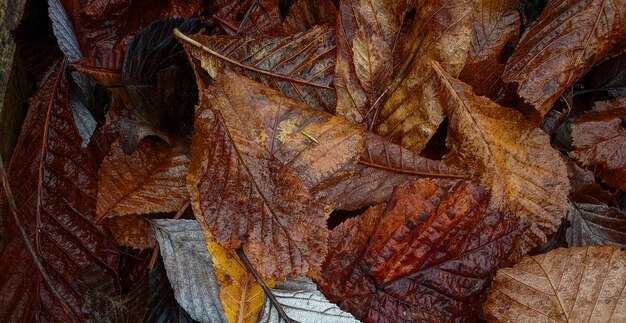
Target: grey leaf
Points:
(302, 302)
(595, 224)
(84, 120)
(64, 31)
(189, 269)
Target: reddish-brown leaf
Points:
(426, 256)
(562, 45)
(381, 167)
(151, 180)
(563, 285)
(54, 181)
(132, 231)
(305, 14)
(250, 17)
(599, 139)
(299, 65)
(508, 155)
(496, 24)
(383, 75)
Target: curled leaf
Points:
(562, 45)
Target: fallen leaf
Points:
(250, 169)
(132, 231)
(189, 267)
(306, 14)
(250, 17)
(383, 75)
(304, 304)
(151, 180)
(102, 302)
(562, 45)
(525, 174)
(495, 26)
(584, 284)
(381, 167)
(425, 256)
(54, 181)
(593, 223)
(299, 65)
(599, 141)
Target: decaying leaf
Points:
(383, 75)
(300, 65)
(496, 24)
(250, 17)
(563, 285)
(303, 303)
(151, 180)
(562, 45)
(599, 139)
(508, 155)
(594, 223)
(252, 167)
(305, 14)
(163, 306)
(54, 180)
(190, 269)
(425, 256)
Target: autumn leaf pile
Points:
(244, 161)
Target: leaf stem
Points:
(268, 292)
(414, 173)
(13, 209)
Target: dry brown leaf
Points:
(132, 231)
(299, 65)
(495, 24)
(563, 44)
(564, 285)
(383, 76)
(599, 139)
(525, 174)
(151, 180)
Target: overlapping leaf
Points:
(190, 269)
(151, 180)
(383, 76)
(594, 223)
(423, 257)
(496, 24)
(562, 45)
(599, 139)
(525, 174)
(163, 306)
(132, 231)
(563, 285)
(54, 181)
(299, 65)
(250, 17)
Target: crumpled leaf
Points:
(383, 75)
(54, 181)
(562, 45)
(526, 175)
(496, 24)
(190, 269)
(304, 304)
(595, 223)
(599, 139)
(300, 65)
(103, 304)
(151, 180)
(584, 284)
(163, 306)
(250, 169)
(156, 77)
(425, 256)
